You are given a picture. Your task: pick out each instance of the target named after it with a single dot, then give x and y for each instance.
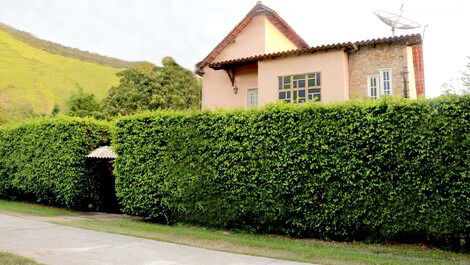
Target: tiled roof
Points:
(103, 152)
(404, 39)
(273, 17)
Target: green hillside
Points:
(33, 79)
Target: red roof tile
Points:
(404, 39)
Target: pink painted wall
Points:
(217, 89)
(251, 41)
(333, 66)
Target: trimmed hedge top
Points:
(386, 170)
(44, 160)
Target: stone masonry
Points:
(368, 60)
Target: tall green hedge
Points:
(387, 170)
(44, 161)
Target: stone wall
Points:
(368, 60)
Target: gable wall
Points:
(275, 40)
(250, 41)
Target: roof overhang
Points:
(102, 152)
(346, 46)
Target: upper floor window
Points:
(373, 86)
(386, 81)
(300, 88)
(381, 84)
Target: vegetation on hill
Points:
(65, 51)
(33, 81)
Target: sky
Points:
(148, 30)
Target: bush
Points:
(383, 171)
(44, 161)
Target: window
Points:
(373, 86)
(252, 98)
(300, 88)
(386, 81)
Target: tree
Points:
(149, 87)
(466, 79)
(55, 110)
(459, 86)
(81, 104)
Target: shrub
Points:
(381, 171)
(44, 161)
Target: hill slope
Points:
(33, 80)
(64, 50)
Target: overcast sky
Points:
(189, 29)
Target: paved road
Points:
(63, 245)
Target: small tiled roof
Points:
(404, 39)
(271, 15)
(103, 152)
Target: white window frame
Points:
(312, 92)
(377, 86)
(382, 81)
(249, 103)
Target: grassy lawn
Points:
(314, 251)
(34, 209)
(10, 259)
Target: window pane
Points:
(286, 79)
(280, 82)
(317, 97)
(311, 82)
(295, 96)
(310, 97)
(311, 75)
(295, 84)
(282, 95)
(318, 79)
(288, 95)
(298, 77)
(301, 93)
(301, 100)
(286, 86)
(317, 90)
(301, 83)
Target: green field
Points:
(33, 79)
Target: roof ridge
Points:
(259, 8)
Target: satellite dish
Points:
(396, 21)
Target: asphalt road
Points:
(63, 245)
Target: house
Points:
(263, 60)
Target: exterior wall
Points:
(369, 60)
(275, 40)
(217, 89)
(411, 73)
(333, 66)
(251, 41)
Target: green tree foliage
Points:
(149, 87)
(81, 104)
(466, 79)
(387, 170)
(45, 161)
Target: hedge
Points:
(44, 161)
(389, 170)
